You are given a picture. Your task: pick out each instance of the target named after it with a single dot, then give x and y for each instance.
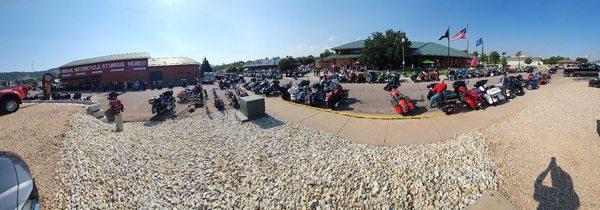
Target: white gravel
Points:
(220, 163)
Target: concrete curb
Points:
(371, 116)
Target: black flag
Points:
(446, 35)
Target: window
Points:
(23, 173)
(8, 178)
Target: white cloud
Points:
(303, 50)
(332, 38)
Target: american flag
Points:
(462, 34)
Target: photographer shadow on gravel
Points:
(561, 195)
(598, 127)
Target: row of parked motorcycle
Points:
(325, 93)
(481, 94)
(475, 98)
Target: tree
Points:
(305, 60)
(384, 50)
(286, 64)
(504, 61)
(494, 57)
(325, 54)
(483, 58)
(205, 66)
(583, 60)
(552, 60)
(475, 54)
(528, 60)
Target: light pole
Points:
(403, 62)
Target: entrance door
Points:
(156, 75)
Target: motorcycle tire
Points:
(398, 109)
(330, 104)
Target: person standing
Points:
(124, 86)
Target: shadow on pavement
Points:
(345, 105)
(561, 195)
(267, 122)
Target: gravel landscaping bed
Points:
(36, 133)
(202, 162)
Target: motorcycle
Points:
(196, 96)
(115, 105)
(316, 95)
(335, 95)
(472, 98)
(298, 93)
(240, 92)
(218, 101)
(163, 102)
(283, 90)
(402, 104)
(515, 84)
(183, 96)
(257, 89)
(271, 89)
(233, 101)
(491, 94)
(446, 102)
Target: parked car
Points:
(17, 187)
(208, 78)
(583, 70)
(11, 97)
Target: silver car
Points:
(17, 189)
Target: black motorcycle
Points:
(163, 102)
(283, 90)
(257, 89)
(316, 96)
(218, 101)
(271, 89)
(233, 101)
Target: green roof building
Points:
(349, 54)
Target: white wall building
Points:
(520, 61)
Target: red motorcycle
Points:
(336, 95)
(184, 95)
(473, 98)
(402, 103)
(115, 105)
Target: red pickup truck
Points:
(11, 97)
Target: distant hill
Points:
(17, 75)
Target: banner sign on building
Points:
(106, 67)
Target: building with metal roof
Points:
(349, 54)
(127, 67)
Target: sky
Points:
(43, 34)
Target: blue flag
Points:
(479, 42)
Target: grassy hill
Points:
(18, 75)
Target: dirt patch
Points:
(36, 133)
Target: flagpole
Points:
(467, 33)
(448, 47)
